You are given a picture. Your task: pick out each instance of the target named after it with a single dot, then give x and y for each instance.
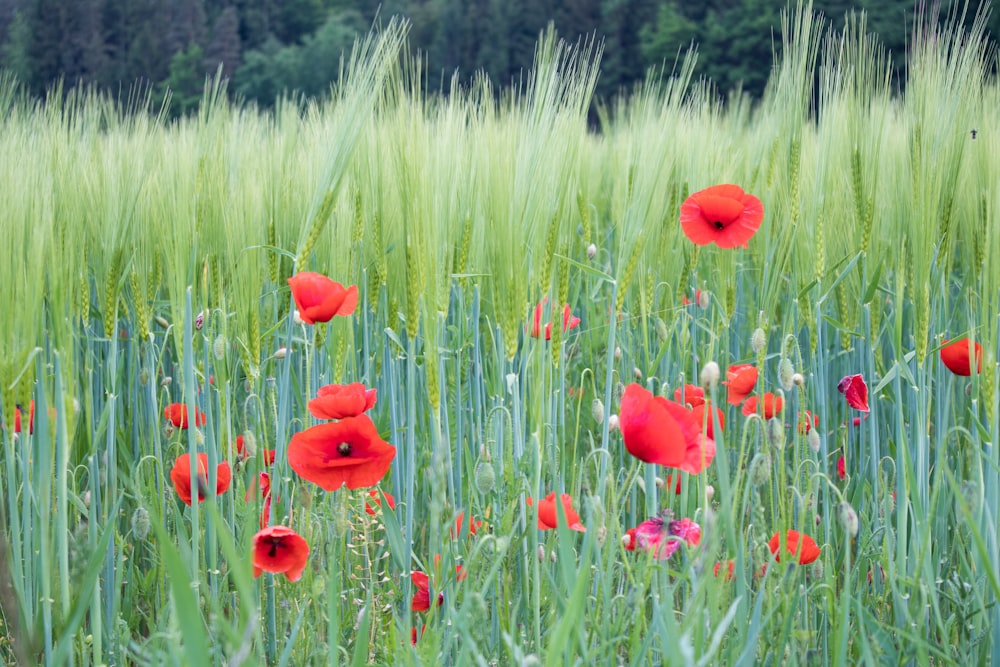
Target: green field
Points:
(149, 266)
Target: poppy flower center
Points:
(273, 551)
(719, 225)
(344, 448)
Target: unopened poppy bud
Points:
(659, 482)
(541, 553)
(618, 354)
(199, 437)
(597, 410)
(775, 430)
(165, 382)
(637, 373)
(219, 347)
(848, 519)
(140, 523)
(812, 437)
(591, 251)
(816, 571)
(710, 374)
(618, 393)
(760, 469)
(758, 340)
(709, 491)
(704, 298)
(162, 321)
(168, 431)
(626, 540)
(798, 380)
(786, 373)
(199, 320)
(249, 444)
(297, 317)
(661, 329)
(613, 423)
(281, 353)
(486, 478)
(552, 556)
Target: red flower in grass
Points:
(280, 549)
(674, 482)
(955, 355)
(628, 539)
(373, 494)
(31, 419)
(656, 430)
(422, 598)
(320, 299)
(241, 450)
(662, 535)
(690, 394)
(721, 214)
(463, 526)
(795, 543)
(807, 421)
(265, 486)
(703, 416)
(180, 474)
(346, 452)
(842, 468)
(336, 401)
(569, 322)
(177, 414)
(730, 568)
(770, 405)
(548, 514)
(413, 634)
(855, 390)
(740, 379)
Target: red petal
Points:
(853, 388)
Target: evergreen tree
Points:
(224, 45)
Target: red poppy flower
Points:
(241, 447)
(702, 415)
(721, 214)
(422, 598)
(470, 527)
(336, 401)
(548, 514)
(656, 430)
(628, 539)
(853, 388)
(795, 543)
(770, 405)
(807, 421)
(842, 468)
(280, 549)
(31, 419)
(730, 568)
(690, 394)
(740, 379)
(673, 481)
(265, 486)
(320, 299)
(373, 494)
(955, 355)
(662, 536)
(336, 453)
(413, 633)
(177, 414)
(569, 322)
(180, 474)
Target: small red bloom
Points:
(180, 474)
(569, 322)
(336, 453)
(320, 299)
(280, 549)
(702, 415)
(807, 421)
(413, 634)
(795, 543)
(177, 414)
(373, 494)
(656, 430)
(336, 401)
(662, 536)
(955, 355)
(722, 214)
(842, 468)
(31, 419)
(548, 514)
(265, 486)
(470, 526)
(240, 447)
(422, 598)
(730, 568)
(628, 539)
(740, 379)
(673, 481)
(770, 405)
(855, 390)
(690, 394)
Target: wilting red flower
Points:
(628, 539)
(471, 526)
(955, 355)
(373, 494)
(807, 421)
(721, 214)
(280, 549)
(336, 401)
(548, 514)
(336, 453)
(31, 419)
(842, 468)
(853, 388)
(770, 404)
(177, 414)
(656, 430)
(690, 394)
(740, 379)
(702, 415)
(795, 543)
(320, 299)
(730, 568)
(180, 474)
(662, 536)
(569, 322)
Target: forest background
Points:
(141, 49)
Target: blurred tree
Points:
(185, 84)
(224, 45)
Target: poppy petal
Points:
(855, 390)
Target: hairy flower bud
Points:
(140, 523)
(710, 374)
(786, 373)
(848, 519)
(591, 251)
(597, 410)
(760, 469)
(758, 340)
(812, 437)
(219, 347)
(775, 430)
(661, 329)
(486, 478)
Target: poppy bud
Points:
(618, 354)
(140, 523)
(710, 374)
(281, 353)
(816, 571)
(297, 317)
(199, 320)
(661, 329)
(760, 469)
(541, 553)
(709, 491)
(775, 430)
(249, 444)
(848, 519)
(626, 540)
(758, 340)
(485, 478)
(597, 410)
(637, 373)
(168, 431)
(165, 382)
(618, 393)
(591, 251)
(812, 437)
(613, 423)
(552, 556)
(162, 321)
(798, 380)
(219, 347)
(786, 374)
(704, 298)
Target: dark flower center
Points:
(344, 448)
(719, 225)
(274, 547)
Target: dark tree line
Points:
(266, 47)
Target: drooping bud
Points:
(760, 469)
(162, 321)
(486, 478)
(798, 380)
(758, 340)
(775, 430)
(848, 519)
(249, 444)
(710, 374)
(637, 373)
(591, 251)
(613, 423)
(785, 373)
(661, 329)
(597, 410)
(618, 354)
(219, 347)
(816, 570)
(812, 437)
(140, 523)
(281, 353)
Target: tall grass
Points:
(149, 261)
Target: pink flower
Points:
(661, 535)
